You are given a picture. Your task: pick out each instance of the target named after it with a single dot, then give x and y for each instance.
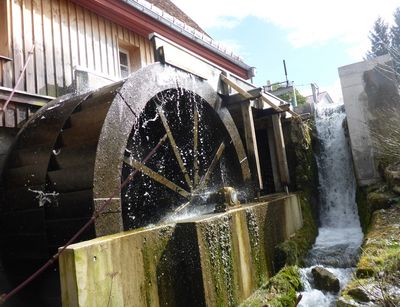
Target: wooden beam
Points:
(273, 154)
(213, 164)
(24, 95)
(195, 146)
(264, 97)
(238, 98)
(251, 143)
(157, 177)
(175, 147)
(280, 149)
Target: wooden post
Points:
(274, 159)
(251, 143)
(280, 149)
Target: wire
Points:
(95, 215)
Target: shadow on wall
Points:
(381, 93)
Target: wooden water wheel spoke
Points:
(195, 146)
(175, 147)
(213, 164)
(181, 207)
(157, 177)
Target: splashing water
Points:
(337, 245)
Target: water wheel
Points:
(74, 153)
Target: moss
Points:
(301, 143)
(293, 251)
(372, 198)
(304, 178)
(280, 290)
(260, 256)
(378, 268)
(217, 244)
(364, 209)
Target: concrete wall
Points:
(212, 260)
(368, 88)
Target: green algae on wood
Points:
(293, 251)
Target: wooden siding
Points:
(65, 35)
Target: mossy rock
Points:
(325, 280)
(379, 264)
(392, 174)
(381, 200)
(359, 294)
(365, 271)
(345, 303)
(279, 291)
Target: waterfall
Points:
(340, 236)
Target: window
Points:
(5, 37)
(129, 59)
(124, 64)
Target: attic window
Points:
(124, 64)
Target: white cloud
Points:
(307, 22)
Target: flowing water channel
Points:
(340, 236)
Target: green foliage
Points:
(378, 270)
(299, 97)
(379, 37)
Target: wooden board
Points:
(48, 49)
(65, 35)
(280, 149)
(251, 144)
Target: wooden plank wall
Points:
(65, 35)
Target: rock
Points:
(396, 189)
(380, 200)
(392, 176)
(341, 302)
(359, 294)
(325, 280)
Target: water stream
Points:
(340, 236)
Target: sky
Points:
(314, 37)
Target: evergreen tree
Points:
(395, 32)
(379, 37)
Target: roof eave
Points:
(144, 21)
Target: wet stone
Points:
(325, 280)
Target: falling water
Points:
(336, 247)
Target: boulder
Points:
(325, 280)
(392, 176)
(359, 294)
(380, 199)
(341, 302)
